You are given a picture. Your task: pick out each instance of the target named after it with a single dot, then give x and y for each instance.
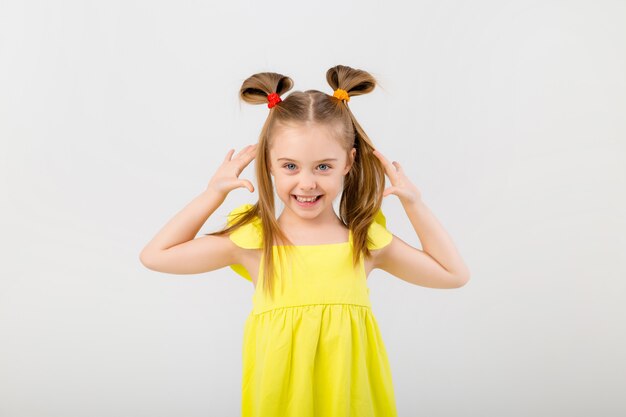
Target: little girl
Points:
(312, 346)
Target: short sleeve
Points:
(377, 234)
(248, 236)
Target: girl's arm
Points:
(439, 265)
(175, 250)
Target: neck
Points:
(290, 220)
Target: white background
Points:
(507, 115)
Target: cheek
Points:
(282, 184)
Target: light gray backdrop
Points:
(509, 117)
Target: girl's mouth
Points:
(307, 203)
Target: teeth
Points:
(304, 200)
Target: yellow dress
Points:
(315, 350)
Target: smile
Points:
(306, 201)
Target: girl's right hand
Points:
(226, 178)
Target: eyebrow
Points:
(321, 160)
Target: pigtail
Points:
(354, 81)
(266, 88)
(364, 184)
(258, 87)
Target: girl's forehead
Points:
(308, 147)
(305, 139)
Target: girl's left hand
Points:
(400, 183)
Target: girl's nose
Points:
(307, 182)
(307, 185)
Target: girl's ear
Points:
(350, 161)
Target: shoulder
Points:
(249, 235)
(377, 234)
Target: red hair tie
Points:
(273, 99)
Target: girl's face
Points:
(307, 161)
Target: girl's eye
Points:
(286, 165)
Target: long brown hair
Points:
(363, 184)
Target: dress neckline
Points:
(321, 244)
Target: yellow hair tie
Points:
(341, 94)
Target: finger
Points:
(248, 151)
(387, 165)
(242, 151)
(381, 157)
(390, 190)
(252, 150)
(228, 155)
(248, 185)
